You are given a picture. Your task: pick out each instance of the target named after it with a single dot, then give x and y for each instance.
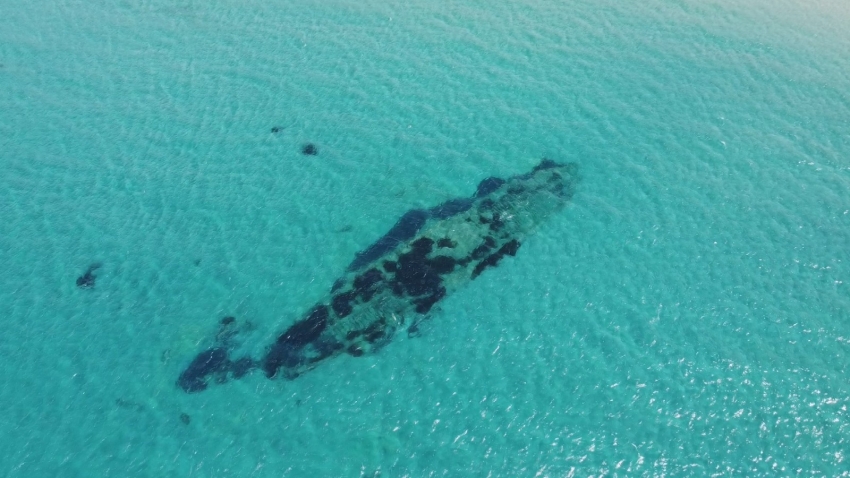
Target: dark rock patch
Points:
(309, 149)
(185, 418)
(446, 243)
(365, 283)
(510, 248)
(372, 334)
(286, 352)
(353, 334)
(341, 303)
(367, 294)
(355, 351)
(484, 249)
(442, 264)
(492, 260)
(307, 330)
(210, 362)
(423, 245)
(424, 304)
(277, 129)
(390, 266)
(405, 229)
(87, 280)
(415, 272)
(280, 355)
(397, 288)
(496, 224)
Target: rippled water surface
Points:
(686, 314)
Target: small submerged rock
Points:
(309, 149)
(87, 280)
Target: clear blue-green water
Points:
(687, 314)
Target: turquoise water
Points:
(687, 314)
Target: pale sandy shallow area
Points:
(685, 315)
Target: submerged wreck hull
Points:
(426, 256)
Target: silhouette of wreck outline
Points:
(426, 256)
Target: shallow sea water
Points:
(687, 314)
